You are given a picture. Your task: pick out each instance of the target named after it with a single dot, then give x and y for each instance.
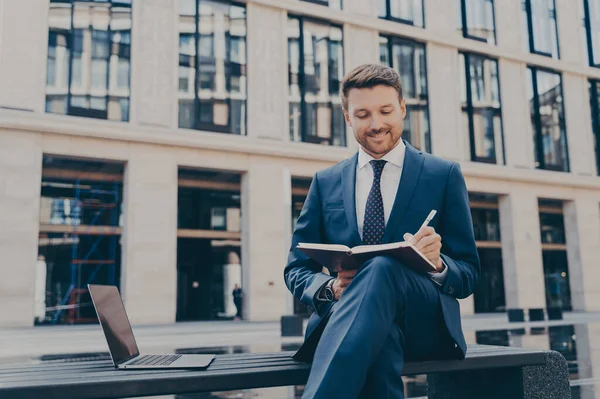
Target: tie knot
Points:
(378, 167)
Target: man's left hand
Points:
(429, 243)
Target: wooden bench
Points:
(488, 372)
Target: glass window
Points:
(76, 203)
(315, 72)
(404, 11)
(564, 340)
(476, 20)
(547, 120)
(90, 255)
(77, 59)
(554, 254)
(212, 66)
(552, 228)
(88, 65)
(540, 16)
(100, 57)
(480, 101)
(204, 209)
(486, 224)
(592, 30)
(489, 295)
(557, 282)
(335, 4)
(57, 76)
(408, 59)
(595, 104)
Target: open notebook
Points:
(337, 257)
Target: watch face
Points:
(329, 293)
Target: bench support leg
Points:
(549, 381)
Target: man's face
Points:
(375, 115)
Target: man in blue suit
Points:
(367, 322)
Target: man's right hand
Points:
(343, 280)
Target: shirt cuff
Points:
(440, 277)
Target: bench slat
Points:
(223, 364)
(109, 371)
(99, 379)
(216, 364)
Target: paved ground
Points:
(21, 344)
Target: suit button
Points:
(450, 290)
(456, 345)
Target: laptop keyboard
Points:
(154, 360)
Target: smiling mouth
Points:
(378, 135)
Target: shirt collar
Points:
(395, 157)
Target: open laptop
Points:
(121, 342)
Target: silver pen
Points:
(429, 217)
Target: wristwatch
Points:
(328, 291)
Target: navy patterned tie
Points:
(374, 224)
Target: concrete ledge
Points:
(186, 138)
(550, 381)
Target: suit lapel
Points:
(411, 170)
(349, 197)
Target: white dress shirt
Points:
(390, 180)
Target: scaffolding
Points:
(104, 203)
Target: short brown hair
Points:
(368, 76)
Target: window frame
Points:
(198, 124)
(303, 105)
(325, 3)
(465, 26)
(470, 109)
(531, 36)
(588, 35)
(389, 17)
(537, 123)
(595, 111)
(69, 34)
(391, 41)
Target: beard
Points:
(380, 142)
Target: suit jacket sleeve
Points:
(458, 242)
(303, 276)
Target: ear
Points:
(347, 118)
(403, 108)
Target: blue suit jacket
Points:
(427, 182)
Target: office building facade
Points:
(167, 146)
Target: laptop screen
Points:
(114, 321)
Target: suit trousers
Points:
(388, 314)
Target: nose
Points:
(376, 123)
